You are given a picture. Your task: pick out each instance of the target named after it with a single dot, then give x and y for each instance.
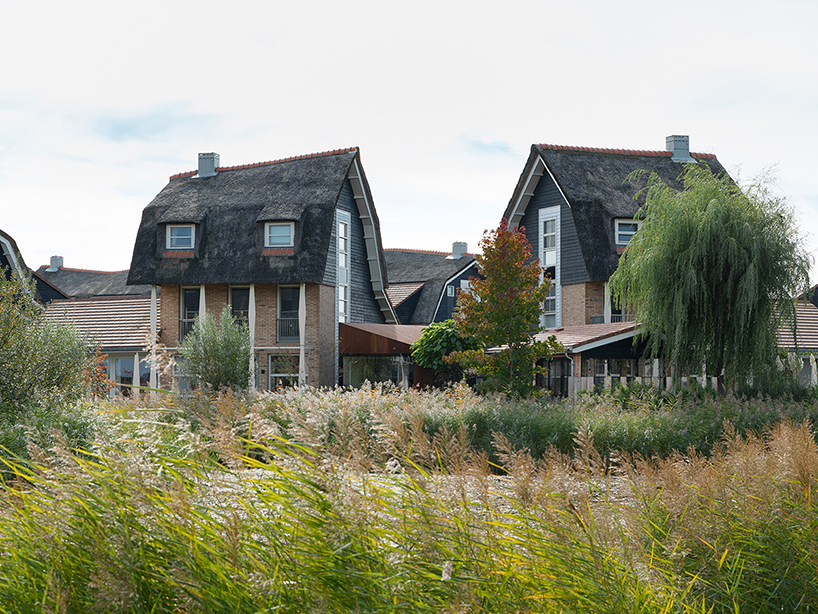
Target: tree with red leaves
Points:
(503, 312)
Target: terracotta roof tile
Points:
(110, 322)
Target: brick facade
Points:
(581, 301)
(320, 327)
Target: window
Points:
(549, 260)
(283, 370)
(625, 229)
(450, 291)
(240, 303)
(189, 311)
(343, 266)
(278, 234)
(180, 236)
(288, 299)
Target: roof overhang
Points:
(371, 240)
(535, 169)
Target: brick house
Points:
(293, 246)
(578, 207)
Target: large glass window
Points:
(288, 299)
(549, 263)
(283, 370)
(278, 234)
(343, 267)
(180, 236)
(189, 311)
(240, 303)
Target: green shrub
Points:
(216, 354)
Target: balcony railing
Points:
(287, 329)
(615, 317)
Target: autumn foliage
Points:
(503, 313)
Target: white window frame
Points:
(169, 236)
(344, 273)
(269, 225)
(450, 291)
(617, 223)
(551, 213)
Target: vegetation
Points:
(712, 273)
(216, 354)
(437, 341)
(331, 501)
(502, 312)
(42, 364)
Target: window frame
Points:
(169, 236)
(241, 317)
(344, 273)
(271, 358)
(269, 225)
(551, 318)
(620, 221)
(279, 326)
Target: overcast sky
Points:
(100, 102)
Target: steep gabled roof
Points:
(10, 255)
(432, 269)
(595, 183)
(84, 283)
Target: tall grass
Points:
(377, 501)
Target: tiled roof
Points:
(110, 322)
(624, 152)
(424, 251)
(577, 336)
(237, 167)
(85, 283)
(398, 293)
(806, 330)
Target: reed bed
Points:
(378, 501)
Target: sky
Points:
(100, 102)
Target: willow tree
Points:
(712, 274)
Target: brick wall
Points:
(320, 327)
(581, 301)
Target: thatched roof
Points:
(433, 269)
(595, 183)
(82, 283)
(230, 209)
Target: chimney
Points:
(459, 248)
(208, 163)
(56, 264)
(679, 146)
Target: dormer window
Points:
(279, 234)
(624, 231)
(181, 236)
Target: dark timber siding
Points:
(363, 307)
(572, 264)
(447, 304)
